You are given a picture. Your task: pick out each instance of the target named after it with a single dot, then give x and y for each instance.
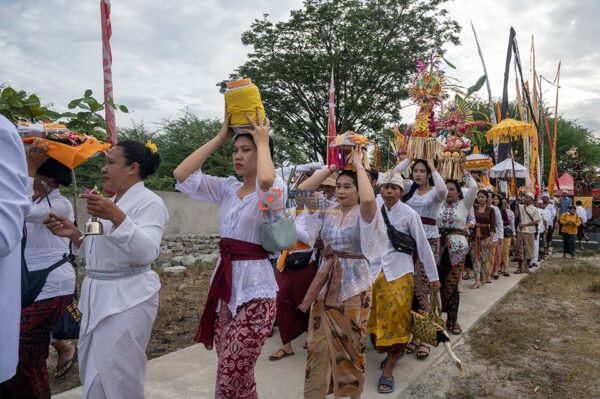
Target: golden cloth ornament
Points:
(243, 97)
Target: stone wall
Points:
(182, 250)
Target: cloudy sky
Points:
(168, 55)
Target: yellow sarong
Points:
(390, 317)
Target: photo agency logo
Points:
(274, 200)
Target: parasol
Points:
(505, 170)
(508, 130)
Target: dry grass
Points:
(542, 340)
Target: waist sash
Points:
(116, 274)
(221, 286)
(331, 275)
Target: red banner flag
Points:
(107, 67)
(331, 131)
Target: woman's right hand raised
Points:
(61, 226)
(225, 132)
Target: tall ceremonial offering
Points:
(109, 111)
(456, 122)
(243, 97)
(343, 146)
(428, 93)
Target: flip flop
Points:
(386, 382)
(274, 356)
(65, 368)
(422, 354)
(410, 349)
(456, 330)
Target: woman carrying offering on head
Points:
(240, 308)
(425, 196)
(353, 234)
(119, 295)
(454, 228)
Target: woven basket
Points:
(426, 325)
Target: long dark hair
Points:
(251, 138)
(415, 186)
(134, 151)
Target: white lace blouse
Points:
(350, 233)
(428, 204)
(239, 219)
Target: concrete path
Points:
(190, 372)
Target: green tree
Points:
(18, 105)
(572, 135)
(372, 47)
(179, 137)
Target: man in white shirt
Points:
(390, 321)
(551, 209)
(582, 213)
(542, 226)
(529, 217)
(14, 205)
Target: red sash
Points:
(220, 288)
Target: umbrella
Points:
(505, 169)
(508, 130)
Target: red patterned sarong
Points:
(37, 323)
(239, 341)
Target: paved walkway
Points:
(190, 372)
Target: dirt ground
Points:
(181, 303)
(541, 341)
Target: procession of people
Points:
(369, 252)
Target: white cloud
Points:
(168, 56)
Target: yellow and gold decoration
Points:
(343, 146)
(508, 130)
(243, 97)
(427, 92)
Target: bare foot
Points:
(476, 285)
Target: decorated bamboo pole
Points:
(555, 140)
(487, 81)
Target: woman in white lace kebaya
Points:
(425, 196)
(240, 308)
(352, 234)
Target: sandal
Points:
(466, 277)
(277, 356)
(63, 369)
(476, 285)
(495, 277)
(387, 382)
(506, 274)
(456, 330)
(411, 347)
(305, 346)
(422, 353)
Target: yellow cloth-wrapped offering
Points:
(242, 96)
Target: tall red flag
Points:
(107, 66)
(331, 131)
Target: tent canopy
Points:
(505, 169)
(566, 183)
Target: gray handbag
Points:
(278, 235)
